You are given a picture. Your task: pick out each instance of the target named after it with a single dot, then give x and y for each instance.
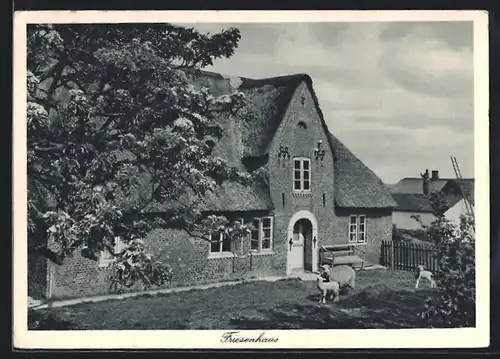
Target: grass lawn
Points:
(382, 299)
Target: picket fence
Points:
(407, 255)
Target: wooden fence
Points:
(407, 256)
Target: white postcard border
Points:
(205, 339)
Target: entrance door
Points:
(300, 248)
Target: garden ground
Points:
(382, 299)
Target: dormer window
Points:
(301, 174)
(302, 125)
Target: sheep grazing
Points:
(421, 273)
(343, 274)
(328, 287)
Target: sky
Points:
(399, 95)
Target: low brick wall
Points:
(187, 257)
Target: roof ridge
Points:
(262, 81)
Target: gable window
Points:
(302, 174)
(106, 258)
(357, 229)
(219, 243)
(261, 237)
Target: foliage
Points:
(114, 125)
(403, 234)
(455, 277)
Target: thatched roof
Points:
(355, 184)
(267, 100)
(410, 202)
(248, 135)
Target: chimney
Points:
(435, 175)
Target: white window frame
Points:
(253, 230)
(364, 228)
(270, 238)
(301, 174)
(260, 232)
(242, 239)
(355, 228)
(221, 245)
(233, 248)
(106, 258)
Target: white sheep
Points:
(343, 274)
(330, 287)
(422, 273)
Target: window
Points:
(267, 229)
(261, 238)
(301, 174)
(240, 246)
(219, 243)
(106, 258)
(357, 229)
(302, 125)
(255, 235)
(361, 229)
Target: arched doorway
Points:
(301, 250)
(302, 243)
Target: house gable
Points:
(301, 131)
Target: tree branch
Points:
(44, 177)
(53, 148)
(196, 236)
(154, 192)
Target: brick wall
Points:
(188, 258)
(301, 143)
(378, 228)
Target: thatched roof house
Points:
(317, 193)
(248, 136)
